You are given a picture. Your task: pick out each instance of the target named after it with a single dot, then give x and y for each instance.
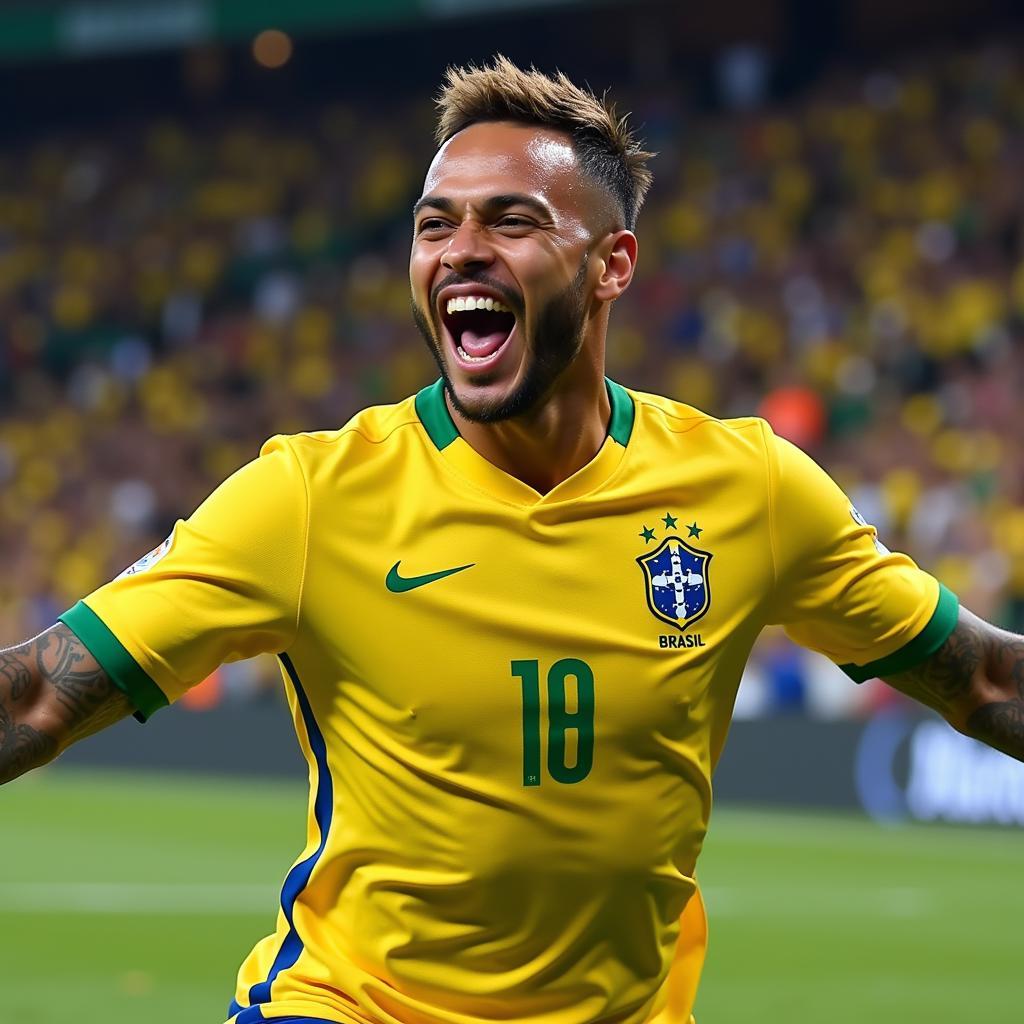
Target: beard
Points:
(557, 340)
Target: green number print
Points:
(528, 674)
(560, 720)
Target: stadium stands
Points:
(849, 265)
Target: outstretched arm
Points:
(52, 693)
(975, 680)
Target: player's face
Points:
(500, 265)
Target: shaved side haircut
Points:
(605, 145)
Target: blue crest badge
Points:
(678, 591)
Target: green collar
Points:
(437, 421)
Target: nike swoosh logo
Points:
(399, 584)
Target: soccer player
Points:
(511, 614)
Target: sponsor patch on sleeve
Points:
(858, 518)
(148, 560)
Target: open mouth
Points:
(480, 327)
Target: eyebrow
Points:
(495, 203)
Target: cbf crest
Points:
(676, 578)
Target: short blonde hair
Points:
(604, 143)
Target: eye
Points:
(513, 220)
(432, 225)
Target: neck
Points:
(550, 443)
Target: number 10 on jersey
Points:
(560, 719)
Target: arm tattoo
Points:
(52, 692)
(21, 747)
(976, 681)
(79, 684)
(999, 721)
(945, 678)
(14, 674)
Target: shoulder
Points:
(366, 434)
(745, 446)
(664, 421)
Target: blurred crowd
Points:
(849, 264)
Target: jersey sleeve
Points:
(225, 585)
(838, 590)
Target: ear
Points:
(616, 262)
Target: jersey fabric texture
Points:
(511, 703)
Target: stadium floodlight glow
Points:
(272, 48)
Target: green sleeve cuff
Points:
(923, 646)
(114, 659)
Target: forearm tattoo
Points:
(976, 680)
(52, 692)
(1000, 720)
(21, 746)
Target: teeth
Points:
(470, 302)
(472, 359)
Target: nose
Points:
(468, 249)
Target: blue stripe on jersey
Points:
(250, 1016)
(244, 1019)
(236, 1007)
(298, 877)
(247, 1017)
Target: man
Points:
(512, 613)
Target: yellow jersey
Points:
(511, 703)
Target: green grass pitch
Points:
(127, 899)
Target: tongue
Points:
(479, 345)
